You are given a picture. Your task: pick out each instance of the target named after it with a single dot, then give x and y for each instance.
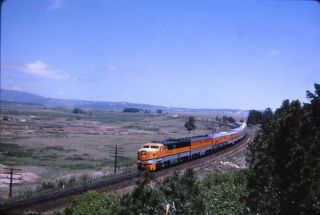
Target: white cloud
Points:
(41, 70)
(55, 4)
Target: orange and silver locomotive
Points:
(156, 155)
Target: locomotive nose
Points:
(142, 154)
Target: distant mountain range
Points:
(14, 96)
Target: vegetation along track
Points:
(59, 199)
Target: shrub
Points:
(223, 194)
(159, 111)
(77, 111)
(95, 203)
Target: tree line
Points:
(284, 165)
(140, 110)
(257, 117)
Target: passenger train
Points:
(159, 154)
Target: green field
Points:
(54, 142)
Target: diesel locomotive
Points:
(159, 154)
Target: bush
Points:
(179, 193)
(223, 194)
(77, 111)
(95, 204)
(45, 186)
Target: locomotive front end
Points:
(147, 156)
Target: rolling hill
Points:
(14, 96)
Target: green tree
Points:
(266, 115)
(132, 110)
(183, 193)
(143, 200)
(225, 118)
(147, 111)
(180, 192)
(223, 193)
(159, 111)
(217, 118)
(190, 124)
(254, 117)
(284, 176)
(77, 111)
(231, 119)
(95, 203)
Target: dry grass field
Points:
(55, 143)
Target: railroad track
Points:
(59, 199)
(20, 205)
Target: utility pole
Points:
(115, 151)
(213, 127)
(10, 186)
(13, 175)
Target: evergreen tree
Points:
(77, 110)
(254, 117)
(284, 176)
(217, 118)
(182, 193)
(231, 119)
(132, 110)
(190, 124)
(267, 113)
(159, 111)
(225, 118)
(143, 199)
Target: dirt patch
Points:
(228, 164)
(29, 177)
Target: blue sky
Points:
(197, 54)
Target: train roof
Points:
(183, 140)
(194, 138)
